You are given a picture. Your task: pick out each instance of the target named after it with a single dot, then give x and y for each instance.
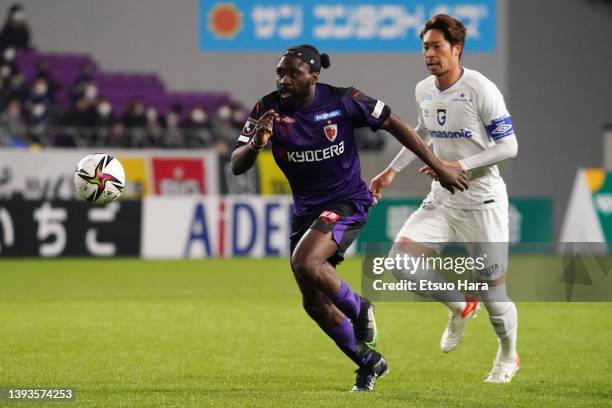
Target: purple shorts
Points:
(343, 220)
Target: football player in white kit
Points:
(463, 115)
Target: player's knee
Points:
(495, 298)
(304, 264)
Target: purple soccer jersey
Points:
(315, 146)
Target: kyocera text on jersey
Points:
(307, 156)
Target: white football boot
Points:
(503, 371)
(456, 326)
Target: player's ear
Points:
(458, 49)
(315, 78)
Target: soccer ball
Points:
(99, 178)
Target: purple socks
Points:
(344, 337)
(347, 301)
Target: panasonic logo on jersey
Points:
(307, 156)
(443, 134)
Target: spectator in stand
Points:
(16, 88)
(223, 130)
(83, 78)
(7, 57)
(171, 124)
(86, 73)
(86, 89)
(78, 122)
(81, 114)
(12, 127)
(230, 118)
(153, 127)
(8, 68)
(102, 121)
(134, 119)
(134, 114)
(16, 32)
(37, 113)
(239, 115)
(39, 91)
(37, 116)
(6, 71)
(44, 72)
(103, 113)
(197, 127)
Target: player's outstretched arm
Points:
(449, 177)
(381, 181)
(244, 157)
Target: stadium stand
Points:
(66, 99)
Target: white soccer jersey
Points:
(462, 121)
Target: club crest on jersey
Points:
(441, 116)
(331, 131)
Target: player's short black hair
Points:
(309, 55)
(453, 29)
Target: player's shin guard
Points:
(422, 275)
(344, 337)
(504, 318)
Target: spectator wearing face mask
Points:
(85, 89)
(85, 76)
(135, 120)
(170, 122)
(197, 127)
(103, 113)
(39, 91)
(44, 72)
(223, 130)
(38, 103)
(153, 127)
(7, 57)
(15, 32)
(102, 121)
(37, 117)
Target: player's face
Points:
(439, 55)
(295, 82)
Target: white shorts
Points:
(484, 232)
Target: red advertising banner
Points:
(178, 176)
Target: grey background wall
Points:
(559, 87)
(553, 63)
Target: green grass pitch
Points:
(134, 333)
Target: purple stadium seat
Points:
(119, 87)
